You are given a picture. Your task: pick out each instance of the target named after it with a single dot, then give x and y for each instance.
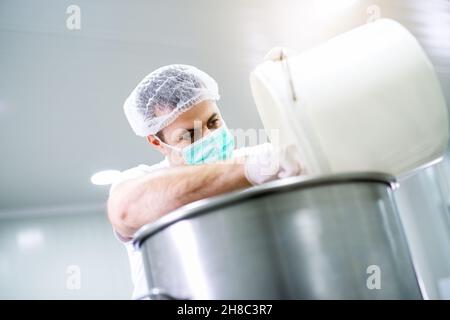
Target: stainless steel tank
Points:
(332, 237)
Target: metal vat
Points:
(330, 237)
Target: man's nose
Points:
(205, 131)
(201, 132)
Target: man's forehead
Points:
(200, 115)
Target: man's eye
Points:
(188, 136)
(214, 123)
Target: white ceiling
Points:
(61, 91)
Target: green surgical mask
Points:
(216, 146)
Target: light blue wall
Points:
(41, 257)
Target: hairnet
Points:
(166, 93)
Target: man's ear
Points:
(154, 142)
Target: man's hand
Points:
(271, 163)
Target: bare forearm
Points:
(200, 182)
(155, 195)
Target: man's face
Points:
(197, 122)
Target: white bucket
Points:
(366, 100)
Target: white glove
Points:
(270, 163)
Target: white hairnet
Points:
(171, 90)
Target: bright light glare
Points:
(30, 239)
(332, 6)
(105, 177)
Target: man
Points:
(175, 109)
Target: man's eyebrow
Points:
(212, 116)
